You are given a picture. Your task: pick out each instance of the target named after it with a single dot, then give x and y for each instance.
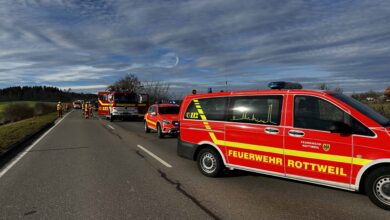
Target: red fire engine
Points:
(320, 137)
(122, 104)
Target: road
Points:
(96, 169)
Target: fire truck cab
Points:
(319, 137)
(122, 104)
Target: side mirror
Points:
(153, 114)
(339, 127)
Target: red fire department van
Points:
(122, 104)
(314, 136)
(162, 118)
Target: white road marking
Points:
(20, 156)
(111, 127)
(155, 156)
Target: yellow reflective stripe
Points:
(200, 111)
(254, 147)
(295, 153)
(125, 105)
(151, 122)
(360, 161)
(104, 104)
(120, 105)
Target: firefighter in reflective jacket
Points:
(90, 109)
(59, 109)
(86, 109)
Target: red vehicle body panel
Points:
(319, 157)
(153, 120)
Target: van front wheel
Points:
(209, 162)
(377, 187)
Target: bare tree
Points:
(323, 86)
(129, 82)
(338, 90)
(387, 92)
(157, 90)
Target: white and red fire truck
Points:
(122, 104)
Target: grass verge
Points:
(13, 133)
(382, 108)
(4, 105)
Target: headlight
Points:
(166, 122)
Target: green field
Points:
(14, 132)
(3, 105)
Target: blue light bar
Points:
(284, 85)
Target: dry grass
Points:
(14, 132)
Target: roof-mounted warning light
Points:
(284, 85)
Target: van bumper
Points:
(186, 149)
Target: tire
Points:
(160, 134)
(377, 187)
(147, 129)
(209, 162)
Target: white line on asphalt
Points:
(20, 156)
(111, 127)
(155, 156)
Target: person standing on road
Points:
(90, 109)
(86, 109)
(59, 110)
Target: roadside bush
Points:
(383, 109)
(44, 108)
(16, 112)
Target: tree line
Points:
(41, 93)
(157, 90)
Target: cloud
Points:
(196, 44)
(73, 74)
(84, 87)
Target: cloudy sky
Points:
(88, 44)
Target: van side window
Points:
(318, 114)
(256, 109)
(213, 109)
(315, 113)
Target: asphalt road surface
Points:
(95, 169)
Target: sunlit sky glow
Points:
(86, 45)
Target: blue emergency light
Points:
(284, 85)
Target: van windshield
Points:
(364, 109)
(125, 98)
(169, 110)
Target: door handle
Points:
(296, 133)
(271, 130)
